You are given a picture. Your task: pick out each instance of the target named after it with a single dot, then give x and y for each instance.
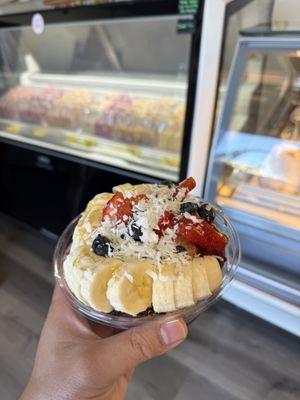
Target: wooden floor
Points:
(229, 355)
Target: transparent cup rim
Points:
(233, 255)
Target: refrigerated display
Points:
(254, 171)
(104, 91)
(96, 94)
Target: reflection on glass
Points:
(269, 99)
(114, 92)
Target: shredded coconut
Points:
(193, 218)
(146, 215)
(128, 276)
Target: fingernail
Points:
(172, 332)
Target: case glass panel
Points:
(255, 167)
(113, 91)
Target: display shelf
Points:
(135, 158)
(130, 83)
(273, 212)
(260, 196)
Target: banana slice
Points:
(77, 262)
(94, 284)
(130, 288)
(91, 217)
(213, 271)
(163, 296)
(142, 188)
(122, 188)
(134, 189)
(201, 287)
(73, 277)
(82, 257)
(183, 287)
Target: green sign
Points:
(188, 6)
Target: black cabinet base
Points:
(47, 190)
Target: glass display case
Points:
(113, 90)
(254, 171)
(92, 96)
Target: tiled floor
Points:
(229, 355)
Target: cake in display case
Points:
(255, 163)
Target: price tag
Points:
(134, 150)
(14, 128)
(71, 138)
(40, 133)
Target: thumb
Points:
(128, 349)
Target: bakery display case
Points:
(98, 94)
(254, 171)
(92, 96)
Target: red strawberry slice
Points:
(117, 207)
(166, 220)
(188, 185)
(203, 235)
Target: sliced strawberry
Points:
(117, 207)
(185, 186)
(124, 211)
(110, 210)
(188, 183)
(203, 235)
(166, 220)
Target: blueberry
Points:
(191, 208)
(180, 249)
(135, 232)
(206, 212)
(101, 246)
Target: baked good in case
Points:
(280, 170)
(139, 120)
(68, 110)
(145, 247)
(170, 132)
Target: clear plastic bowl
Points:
(229, 269)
